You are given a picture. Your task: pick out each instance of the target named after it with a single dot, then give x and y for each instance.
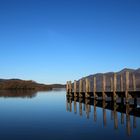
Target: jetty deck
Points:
(126, 88)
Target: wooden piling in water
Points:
(70, 88)
(127, 86)
(111, 84)
(134, 82)
(121, 83)
(103, 87)
(121, 88)
(87, 88)
(114, 86)
(88, 85)
(81, 86)
(67, 87)
(75, 88)
(94, 87)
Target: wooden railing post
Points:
(103, 87)
(70, 88)
(67, 87)
(114, 87)
(80, 88)
(94, 87)
(75, 88)
(127, 86)
(121, 83)
(111, 84)
(134, 82)
(87, 87)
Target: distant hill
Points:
(8, 84)
(108, 75)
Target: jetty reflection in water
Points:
(128, 112)
(18, 93)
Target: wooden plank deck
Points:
(85, 88)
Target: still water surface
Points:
(52, 116)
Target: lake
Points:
(52, 116)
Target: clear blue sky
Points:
(52, 41)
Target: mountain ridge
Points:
(111, 73)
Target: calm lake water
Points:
(53, 116)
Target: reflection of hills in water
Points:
(59, 89)
(128, 112)
(18, 93)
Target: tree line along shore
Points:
(18, 84)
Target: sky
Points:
(52, 41)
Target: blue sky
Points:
(52, 41)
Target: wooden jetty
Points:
(117, 89)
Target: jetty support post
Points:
(127, 87)
(87, 88)
(134, 82)
(111, 84)
(134, 88)
(70, 88)
(121, 83)
(67, 88)
(75, 88)
(121, 88)
(114, 86)
(80, 88)
(94, 88)
(103, 87)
